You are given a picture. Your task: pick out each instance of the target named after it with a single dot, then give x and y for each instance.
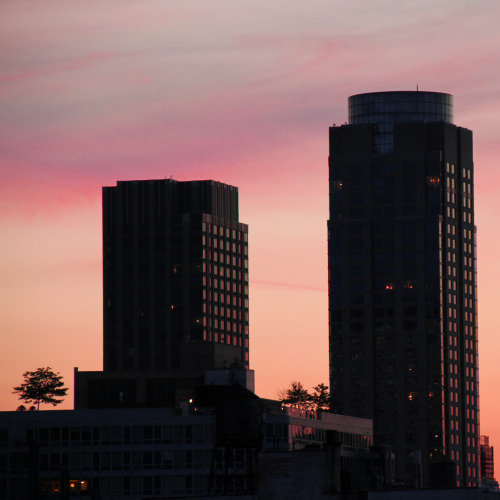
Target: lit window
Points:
(336, 186)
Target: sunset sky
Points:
(239, 92)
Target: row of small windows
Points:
(149, 434)
(470, 387)
(469, 371)
(450, 197)
(406, 196)
(127, 460)
(227, 312)
(226, 299)
(470, 412)
(358, 170)
(455, 427)
(226, 326)
(387, 113)
(468, 316)
(404, 168)
(397, 98)
(226, 285)
(282, 434)
(222, 258)
(384, 327)
(470, 331)
(226, 338)
(454, 424)
(469, 262)
(470, 344)
(471, 429)
(469, 273)
(451, 229)
(228, 246)
(383, 356)
(451, 245)
(468, 247)
(237, 262)
(452, 271)
(217, 269)
(166, 485)
(215, 230)
(450, 213)
(357, 186)
(471, 443)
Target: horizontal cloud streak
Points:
(78, 64)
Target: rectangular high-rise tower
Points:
(402, 280)
(175, 260)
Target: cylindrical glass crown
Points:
(384, 109)
(401, 106)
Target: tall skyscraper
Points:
(175, 259)
(175, 294)
(402, 280)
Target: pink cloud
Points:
(55, 68)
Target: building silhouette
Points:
(175, 264)
(402, 281)
(175, 293)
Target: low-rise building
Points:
(138, 453)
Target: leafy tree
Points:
(296, 395)
(321, 398)
(41, 386)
